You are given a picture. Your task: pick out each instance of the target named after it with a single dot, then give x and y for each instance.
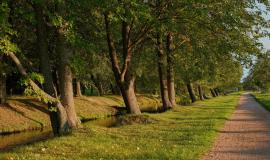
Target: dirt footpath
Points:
(246, 136)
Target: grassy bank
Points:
(263, 99)
(26, 113)
(185, 133)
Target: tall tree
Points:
(65, 52)
(44, 59)
(170, 69)
(166, 103)
(129, 15)
(191, 92)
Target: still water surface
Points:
(10, 141)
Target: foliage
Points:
(259, 75)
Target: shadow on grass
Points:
(33, 106)
(10, 107)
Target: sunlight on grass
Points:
(184, 133)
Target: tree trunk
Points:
(213, 92)
(216, 92)
(204, 96)
(65, 79)
(200, 92)
(162, 77)
(100, 89)
(78, 88)
(170, 70)
(191, 92)
(63, 125)
(2, 88)
(130, 98)
(45, 67)
(124, 78)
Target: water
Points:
(10, 141)
(13, 140)
(105, 122)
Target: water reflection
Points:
(10, 141)
(13, 140)
(106, 122)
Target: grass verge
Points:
(185, 133)
(263, 99)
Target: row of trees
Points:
(126, 47)
(258, 76)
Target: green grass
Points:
(263, 99)
(186, 133)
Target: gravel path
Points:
(246, 136)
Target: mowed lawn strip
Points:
(186, 133)
(263, 99)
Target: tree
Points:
(65, 53)
(129, 14)
(64, 114)
(166, 103)
(258, 77)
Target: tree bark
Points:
(42, 44)
(191, 92)
(204, 96)
(63, 125)
(124, 78)
(64, 54)
(170, 70)
(200, 92)
(78, 88)
(65, 79)
(45, 67)
(130, 98)
(213, 92)
(2, 88)
(162, 77)
(216, 92)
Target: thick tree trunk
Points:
(162, 75)
(170, 70)
(65, 79)
(2, 88)
(45, 67)
(191, 92)
(124, 78)
(200, 92)
(63, 125)
(130, 98)
(78, 88)
(213, 92)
